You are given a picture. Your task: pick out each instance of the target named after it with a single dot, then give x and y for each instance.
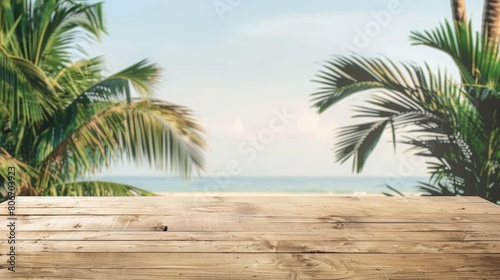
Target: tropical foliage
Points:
(62, 118)
(453, 123)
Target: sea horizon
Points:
(356, 185)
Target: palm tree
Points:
(458, 11)
(454, 123)
(491, 21)
(63, 119)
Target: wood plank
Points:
(207, 199)
(251, 209)
(232, 223)
(248, 206)
(214, 197)
(260, 237)
(338, 235)
(262, 246)
(219, 217)
(214, 263)
(221, 203)
(158, 273)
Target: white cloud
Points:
(238, 126)
(310, 121)
(229, 128)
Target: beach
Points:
(249, 194)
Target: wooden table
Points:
(259, 237)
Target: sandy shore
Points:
(269, 194)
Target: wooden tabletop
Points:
(259, 237)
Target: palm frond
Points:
(74, 79)
(60, 25)
(157, 133)
(17, 171)
(358, 141)
(144, 77)
(97, 188)
(477, 61)
(456, 124)
(83, 82)
(392, 189)
(66, 119)
(405, 95)
(25, 90)
(436, 190)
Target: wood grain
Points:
(258, 237)
(265, 266)
(261, 246)
(338, 235)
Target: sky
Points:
(245, 68)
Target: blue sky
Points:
(245, 68)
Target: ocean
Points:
(320, 185)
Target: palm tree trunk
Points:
(458, 11)
(491, 21)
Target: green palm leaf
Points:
(404, 95)
(156, 133)
(22, 174)
(98, 188)
(23, 87)
(442, 119)
(478, 63)
(358, 141)
(61, 119)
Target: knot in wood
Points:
(332, 219)
(160, 228)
